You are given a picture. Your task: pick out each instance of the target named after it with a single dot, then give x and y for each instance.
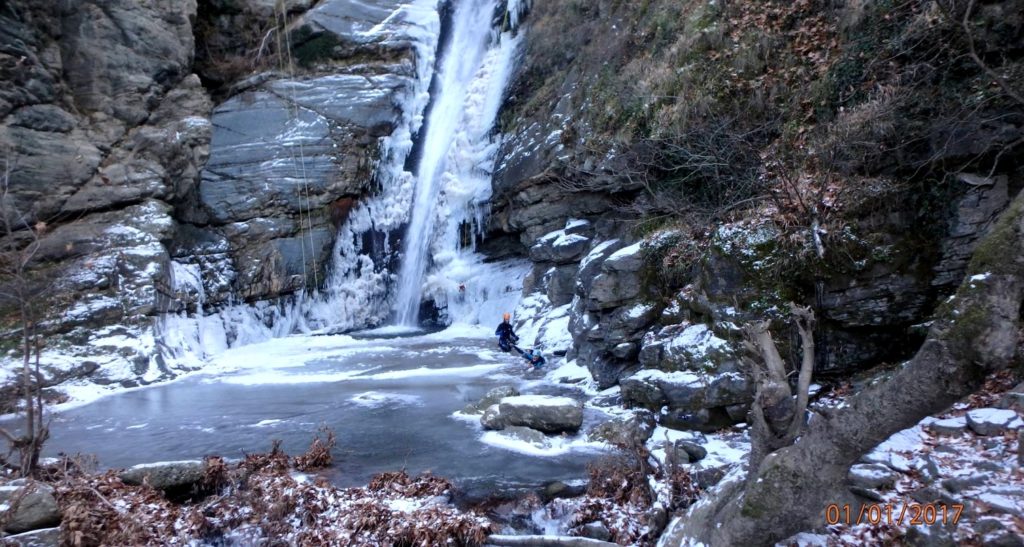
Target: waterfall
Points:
(453, 176)
(451, 192)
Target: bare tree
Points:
(21, 243)
(777, 416)
(973, 335)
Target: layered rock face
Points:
(660, 311)
(145, 196)
(104, 131)
(289, 157)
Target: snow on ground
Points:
(539, 400)
(552, 446)
(942, 468)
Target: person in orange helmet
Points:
(506, 335)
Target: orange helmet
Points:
(507, 316)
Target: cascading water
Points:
(471, 32)
(453, 181)
(452, 190)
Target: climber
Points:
(534, 358)
(506, 336)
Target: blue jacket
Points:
(535, 358)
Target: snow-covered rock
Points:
(560, 247)
(28, 507)
(166, 475)
(949, 426)
(492, 397)
(872, 476)
(993, 421)
(543, 413)
(625, 431)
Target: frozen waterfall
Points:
(452, 156)
(440, 202)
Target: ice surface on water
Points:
(375, 399)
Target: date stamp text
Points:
(911, 514)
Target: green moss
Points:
(998, 252)
(314, 50)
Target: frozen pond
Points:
(389, 400)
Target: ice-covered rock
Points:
(993, 421)
(543, 413)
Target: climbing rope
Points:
(286, 52)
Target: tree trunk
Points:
(974, 334)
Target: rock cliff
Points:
(734, 158)
(170, 157)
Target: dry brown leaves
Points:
(102, 510)
(400, 482)
(319, 454)
(619, 478)
(993, 389)
(258, 500)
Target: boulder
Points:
(559, 489)
(686, 390)
(492, 418)
(935, 535)
(166, 476)
(628, 431)
(993, 421)
(595, 530)
(560, 247)
(872, 476)
(1012, 401)
(492, 397)
(695, 451)
(704, 419)
(44, 537)
(31, 506)
(543, 413)
(957, 485)
(949, 426)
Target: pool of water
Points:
(389, 400)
